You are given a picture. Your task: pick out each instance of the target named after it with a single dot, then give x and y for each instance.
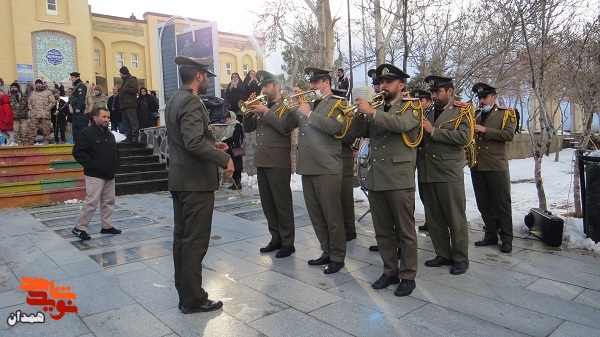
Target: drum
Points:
(362, 163)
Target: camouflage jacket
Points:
(19, 107)
(40, 103)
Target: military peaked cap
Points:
(483, 89)
(199, 63)
(317, 73)
(390, 71)
(435, 82)
(419, 93)
(75, 74)
(264, 77)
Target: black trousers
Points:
(193, 219)
(492, 193)
(59, 127)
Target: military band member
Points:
(347, 178)
(375, 80)
(273, 125)
(391, 179)
(425, 97)
(320, 164)
(441, 178)
(494, 129)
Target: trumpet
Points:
(294, 100)
(247, 105)
(376, 101)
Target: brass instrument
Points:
(471, 148)
(376, 101)
(294, 100)
(247, 105)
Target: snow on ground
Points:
(558, 183)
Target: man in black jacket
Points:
(128, 104)
(96, 150)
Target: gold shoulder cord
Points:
(282, 109)
(337, 112)
(467, 112)
(509, 113)
(415, 105)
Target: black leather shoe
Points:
(374, 248)
(487, 241)
(333, 267)
(285, 251)
(424, 228)
(319, 262)
(439, 261)
(350, 236)
(384, 281)
(405, 288)
(271, 247)
(459, 268)
(209, 305)
(506, 247)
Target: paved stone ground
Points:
(124, 284)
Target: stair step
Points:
(139, 176)
(41, 197)
(15, 177)
(122, 145)
(139, 160)
(146, 186)
(41, 185)
(39, 166)
(132, 168)
(35, 149)
(126, 152)
(37, 157)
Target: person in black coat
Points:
(233, 136)
(146, 105)
(236, 91)
(58, 115)
(251, 83)
(116, 120)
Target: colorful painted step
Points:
(41, 197)
(42, 185)
(14, 177)
(38, 157)
(39, 166)
(35, 149)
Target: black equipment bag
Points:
(546, 226)
(217, 107)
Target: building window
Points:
(51, 7)
(120, 59)
(96, 57)
(246, 69)
(135, 61)
(228, 68)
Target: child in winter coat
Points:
(7, 120)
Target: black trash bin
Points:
(589, 175)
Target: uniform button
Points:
(374, 160)
(433, 155)
(303, 134)
(384, 146)
(486, 147)
(375, 147)
(382, 159)
(307, 145)
(260, 144)
(479, 147)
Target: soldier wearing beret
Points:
(77, 102)
(391, 179)
(320, 164)
(441, 178)
(273, 125)
(194, 158)
(494, 129)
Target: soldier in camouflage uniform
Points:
(18, 103)
(40, 103)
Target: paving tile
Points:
(559, 274)
(69, 325)
(496, 312)
(9, 298)
(554, 288)
(382, 300)
(8, 280)
(210, 324)
(97, 293)
(164, 265)
(117, 322)
(81, 268)
(589, 297)
(570, 329)
(561, 261)
(432, 320)
(291, 322)
(292, 292)
(124, 268)
(230, 265)
(149, 288)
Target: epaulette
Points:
(461, 104)
(409, 99)
(505, 108)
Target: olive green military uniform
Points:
(440, 164)
(273, 162)
(320, 164)
(193, 178)
(490, 176)
(391, 185)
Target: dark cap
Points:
(482, 89)
(371, 74)
(266, 77)
(435, 82)
(39, 81)
(75, 74)
(339, 92)
(55, 91)
(390, 71)
(419, 93)
(124, 70)
(16, 85)
(194, 62)
(317, 73)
